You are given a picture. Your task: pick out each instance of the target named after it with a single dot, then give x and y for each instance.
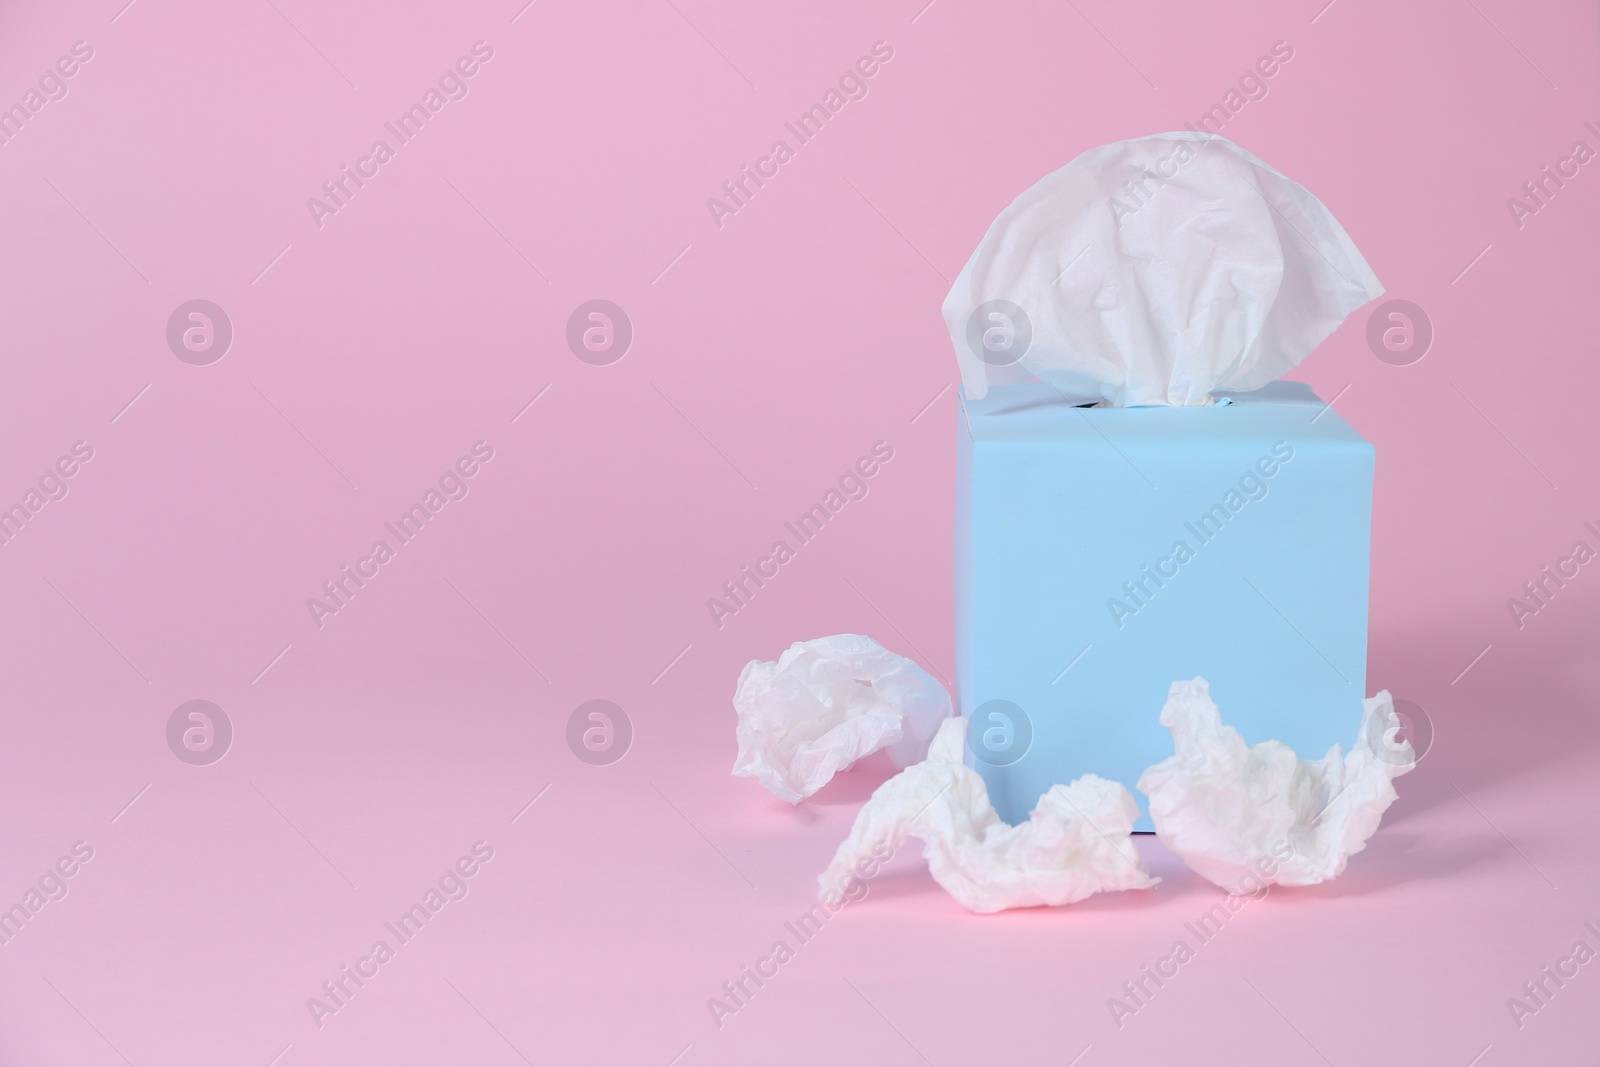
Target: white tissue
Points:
(1235, 812)
(1075, 844)
(824, 705)
(1154, 271)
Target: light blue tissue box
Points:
(1103, 553)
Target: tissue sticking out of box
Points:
(1152, 272)
(1244, 816)
(1075, 844)
(827, 703)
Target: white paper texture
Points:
(1152, 272)
(1076, 843)
(825, 704)
(1233, 811)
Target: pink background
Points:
(768, 355)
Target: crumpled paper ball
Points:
(1249, 815)
(1076, 842)
(825, 704)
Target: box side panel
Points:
(965, 629)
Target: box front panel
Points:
(1099, 565)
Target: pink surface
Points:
(372, 351)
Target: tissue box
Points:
(1103, 553)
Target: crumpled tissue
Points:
(1076, 842)
(1246, 815)
(1152, 272)
(825, 704)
